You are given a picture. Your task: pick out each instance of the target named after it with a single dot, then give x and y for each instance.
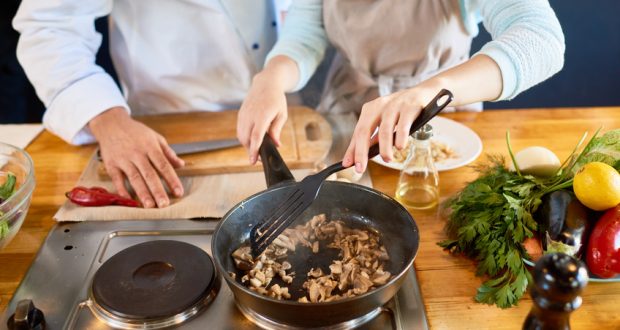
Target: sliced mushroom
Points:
(276, 289)
(260, 276)
(336, 267)
(362, 235)
(302, 238)
(361, 284)
(380, 278)
(279, 243)
(269, 272)
(255, 282)
(346, 252)
(259, 290)
(315, 247)
(315, 272)
(314, 291)
(281, 252)
(344, 278)
(243, 253)
(287, 279)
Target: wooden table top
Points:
(448, 283)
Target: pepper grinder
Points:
(558, 281)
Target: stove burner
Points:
(156, 280)
(267, 323)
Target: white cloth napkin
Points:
(19, 135)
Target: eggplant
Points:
(563, 223)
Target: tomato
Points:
(533, 246)
(603, 256)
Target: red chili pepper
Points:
(100, 189)
(97, 196)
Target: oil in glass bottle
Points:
(418, 184)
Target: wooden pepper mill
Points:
(558, 281)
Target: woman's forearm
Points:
(280, 72)
(478, 79)
(302, 39)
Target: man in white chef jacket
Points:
(170, 56)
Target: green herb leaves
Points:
(6, 190)
(490, 218)
(605, 149)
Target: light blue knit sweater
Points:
(528, 43)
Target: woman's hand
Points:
(132, 150)
(392, 113)
(478, 79)
(264, 110)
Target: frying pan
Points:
(357, 206)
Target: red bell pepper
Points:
(603, 258)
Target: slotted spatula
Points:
(277, 219)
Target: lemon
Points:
(597, 186)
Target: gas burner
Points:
(153, 285)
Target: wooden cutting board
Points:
(305, 140)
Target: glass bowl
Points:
(13, 210)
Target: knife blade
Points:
(200, 146)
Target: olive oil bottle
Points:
(418, 184)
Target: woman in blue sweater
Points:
(428, 40)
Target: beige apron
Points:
(419, 38)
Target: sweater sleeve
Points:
(57, 50)
(302, 38)
(528, 42)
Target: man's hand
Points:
(132, 150)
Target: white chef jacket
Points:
(170, 55)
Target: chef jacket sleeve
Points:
(57, 49)
(302, 38)
(528, 42)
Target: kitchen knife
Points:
(200, 146)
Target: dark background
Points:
(591, 74)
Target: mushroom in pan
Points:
(358, 269)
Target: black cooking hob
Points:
(154, 280)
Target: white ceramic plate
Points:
(460, 138)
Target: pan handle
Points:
(274, 167)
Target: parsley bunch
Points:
(492, 216)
